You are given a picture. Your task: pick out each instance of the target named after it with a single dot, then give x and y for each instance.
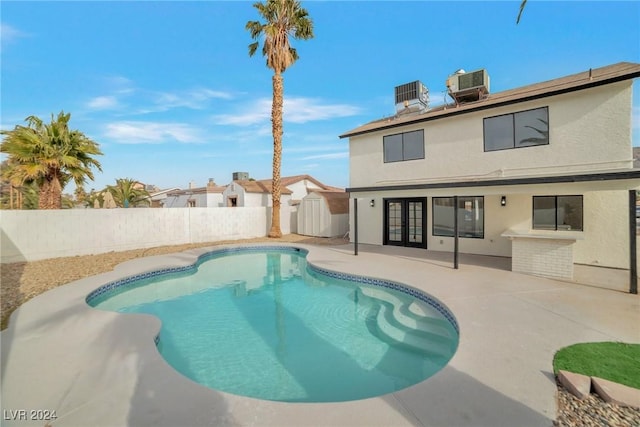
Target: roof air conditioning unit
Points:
(464, 87)
(411, 97)
(240, 176)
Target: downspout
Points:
(455, 232)
(633, 262)
(355, 225)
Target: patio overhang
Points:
(600, 181)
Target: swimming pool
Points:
(262, 322)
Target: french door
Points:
(405, 222)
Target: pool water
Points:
(261, 324)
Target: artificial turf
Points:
(614, 361)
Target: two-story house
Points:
(542, 173)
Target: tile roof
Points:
(288, 180)
(263, 186)
(584, 80)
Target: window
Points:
(522, 129)
(191, 203)
(470, 217)
(403, 146)
(557, 213)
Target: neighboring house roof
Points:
(263, 186)
(198, 190)
(288, 180)
(580, 81)
(636, 157)
(338, 202)
(165, 191)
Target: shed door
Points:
(311, 217)
(315, 217)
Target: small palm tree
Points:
(283, 19)
(50, 155)
(128, 192)
(13, 181)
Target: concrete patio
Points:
(102, 369)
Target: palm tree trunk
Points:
(276, 128)
(50, 196)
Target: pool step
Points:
(416, 339)
(415, 315)
(399, 321)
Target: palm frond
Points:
(522, 6)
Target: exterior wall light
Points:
(503, 201)
(372, 203)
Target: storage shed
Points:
(324, 214)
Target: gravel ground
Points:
(592, 411)
(23, 280)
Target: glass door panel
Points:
(415, 214)
(405, 222)
(395, 226)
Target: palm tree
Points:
(283, 19)
(128, 192)
(50, 155)
(13, 180)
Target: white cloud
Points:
(103, 102)
(302, 110)
(255, 113)
(328, 156)
(153, 101)
(296, 110)
(9, 34)
(314, 148)
(121, 83)
(137, 132)
(195, 99)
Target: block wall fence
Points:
(41, 234)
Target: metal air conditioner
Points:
(464, 87)
(412, 96)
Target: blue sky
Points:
(171, 95)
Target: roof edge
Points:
(484, 106)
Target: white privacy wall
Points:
(40, 234)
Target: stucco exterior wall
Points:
(605, 239)
(235, 190)
(299, 189)
(214, 200)
(589, 131)
(497, 220)
(606, 225)
(203, 200)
